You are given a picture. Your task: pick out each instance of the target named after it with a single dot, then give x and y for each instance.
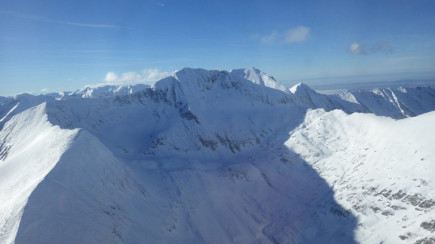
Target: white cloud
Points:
(147, 75)
(111, 77)
(357, 48)
(160, 4)
(270, 38)
(378, 47)
(297, 35)
(154, 74)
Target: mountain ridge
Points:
(213, 156)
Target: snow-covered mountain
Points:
(395, 103)
(105, 91)
(218, 157)
(381, 169)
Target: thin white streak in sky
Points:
(159, 3)
(48, 20)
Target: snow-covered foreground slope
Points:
(382, 170)
(216, 157)
(92, 197)
(29, 148)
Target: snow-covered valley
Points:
(218, 157)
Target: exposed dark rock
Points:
(399, 195)
(413, 199)
(343, 213)
(208, 143)
(426, 240)
(427, 203)
(430, 226)
(387, 213)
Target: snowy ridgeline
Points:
(218, 157)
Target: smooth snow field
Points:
(207, 156)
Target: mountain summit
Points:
(301, 88)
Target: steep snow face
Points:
(204, 98)
(252, 75)
(183, 113)
(140, 125)
(29, 148)
(380, 169)
(200, 84)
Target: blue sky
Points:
(64, 45)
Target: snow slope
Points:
(29, 149)
(380, 169)
(79, 197)
(216, 157)
(211, 202)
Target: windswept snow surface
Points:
(217, 157)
